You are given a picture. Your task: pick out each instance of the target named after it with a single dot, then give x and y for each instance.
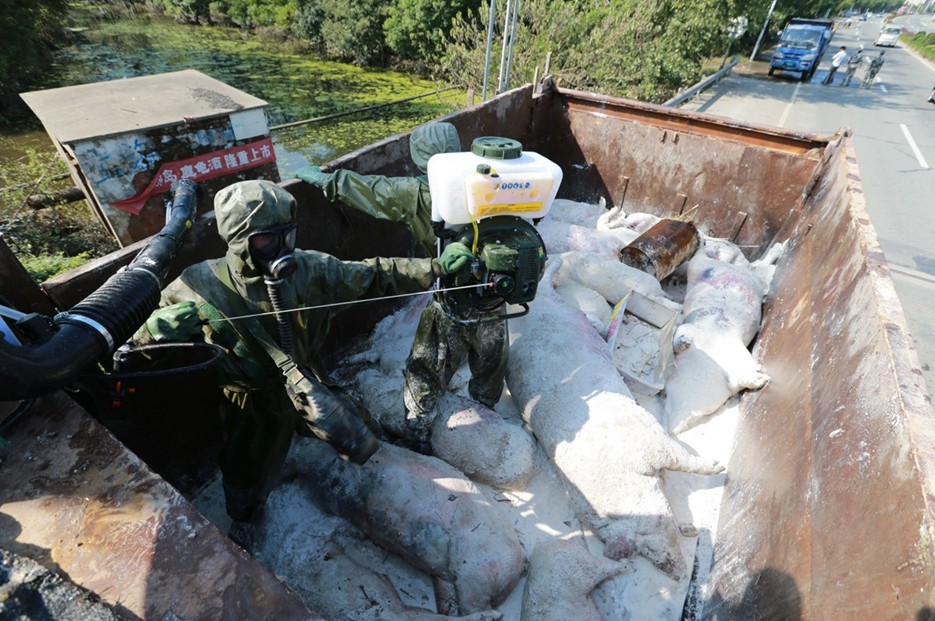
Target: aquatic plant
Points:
(296, 82)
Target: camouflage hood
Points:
(243, 209)
(427, 140)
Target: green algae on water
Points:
(296, 84)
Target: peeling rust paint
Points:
(100, 516)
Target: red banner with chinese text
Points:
(201, 167)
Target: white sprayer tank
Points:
(496, 177)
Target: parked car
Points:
(889, 36)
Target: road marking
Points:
(905, 271)
(785, 113)
(913, 146)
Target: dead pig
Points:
(562, 575)
(428, 513)
(608, 449)
(562, 237)
(478, 442)
(721, 314)
(329, 563)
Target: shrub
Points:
(69, 230)
(51, 265)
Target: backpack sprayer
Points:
(488, 199)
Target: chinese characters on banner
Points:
(201, 167)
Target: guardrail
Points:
(702, 84)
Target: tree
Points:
(419, 29)
(29, 31)
(353, 31)
(630, 48)
(193, 11)
(309, 21)
(252, 13)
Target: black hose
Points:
(274, 289)
(93, 328)
(213, 352)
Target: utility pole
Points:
(490, 21)
(759, 39)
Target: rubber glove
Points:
(176, 323)
(311, 174)
(336, 421)
(455, 257)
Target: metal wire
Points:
(333, 304)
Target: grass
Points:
(923, 43)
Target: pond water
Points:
(296, 84)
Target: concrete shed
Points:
(126, 141)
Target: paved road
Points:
(894, 135)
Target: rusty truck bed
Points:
(827, 511)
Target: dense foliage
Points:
(647, 49)
(924, 43)
(28, 33)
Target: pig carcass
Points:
(608, 449)
(425, 511)
(562, 574)
(561, 237)
(329, 563)
(478, 442)
(721, 314)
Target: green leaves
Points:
(28, 32)
(631, 48)
(419, 29)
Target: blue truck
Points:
(801, 46)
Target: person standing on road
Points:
(852, 63)
(836, 61)
(873, 70)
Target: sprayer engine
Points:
(510, 260)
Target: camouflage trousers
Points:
(258, 428)
(849, 74)
(439, 349)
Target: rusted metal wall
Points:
(827, 513)
(77, 501)
(745, 181)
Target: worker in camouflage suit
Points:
(262, 272)
(441, 345)
(872, 71)
(853, 62)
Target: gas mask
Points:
(272, 251)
